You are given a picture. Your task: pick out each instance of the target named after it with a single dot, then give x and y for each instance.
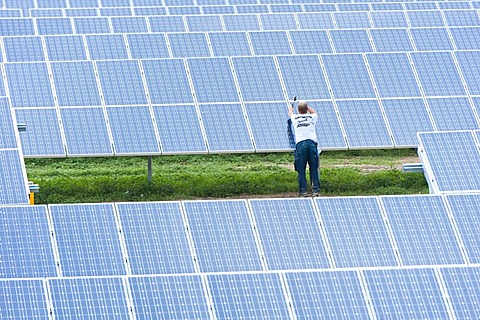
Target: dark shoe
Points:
(315, 193)
(303, 194)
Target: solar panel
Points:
(279, 8)
(455, 5)
(183, 10)
(52, 4)
(211, 2)
(83, 3)
(115, 3)
(437, 73)
(452, 114)
(87, 239)
(155, 238)
(179, 136)
(229, 44)
(46, 13)
(462, 18)
(25, 5)
(189, 45)
(425, 18)
(356, 231)
(223, 236)
(170, 297)
(23, 49)
(65, 48)
(462, 287)
(351, 20)
(12, 178)
(465, 210)
(422, 230)
(132, 130)
(466, 38)
(204, 23)
(10, 13)
(244, 22)
(386, 6)
(17, 27)
(430, 39)
(311, 87)
(23, 299)
(129, 24)
(81, 12)
(327, 295)
(468, 61)
(27, 250)
(406, 117)
(280, 21)
(116, 12)
(346, 41)
(218, 10)
(271, 135)
(252, 8)
(252, 72)
(89, 298)
(29, 85)
(329, 132)
(348, 76)
(121, 82)
(91, 25)
(147, 46)
(290, 234)
(7, 129)
(179, 2)
(423, 5)
(54, 26)
(149, 11)
(167, 24)
(389, 19)
(270, 42)
(310, 41)
(248, 296)
(346, 6)
(406, 293)
(107, 46)
(393, 75)
(364, 124)
(328, 7)
(391, 40)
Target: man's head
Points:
(302, 107)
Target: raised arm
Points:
(311, 110)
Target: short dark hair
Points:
(302, 107)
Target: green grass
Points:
(85, 180)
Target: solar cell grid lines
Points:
(23, 49)
(65, 48)
(229, 44)
(13, 178)
(189, 45)
(8, 138)
(462, 285)
(270, 43)
(347, 41)
(23, 299)
(452, 114)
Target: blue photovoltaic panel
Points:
(421, 5)
(89, 298)
(23, 49)
(88, 240)
(179, 2)
(407, 117)
(271, 134)
(81, 12)
(327, 295)
(43, 137)
(54, 26)
(347, 6)
(244, 22)
(147, 45)
(212, 80)
(132, 130)
(391, 40)
(315, 20)
(225, 133)
(7, 128)
(115, 3)
(380, 6)
(10, 13)
(248, 296)
(389, 19)
(241, 9)
(466, 38)
(430, 39)
(13, 178)
(27, 250)
(121, 82)
(204, 23)
(425, 19)
(393, 75)
(116, 12)
(356, 231)
(229, 44)
(185, 10)
(167, 81)
(65, 48)
(22, 299)
(270, 42)
(223, 236)
(310, 41)
(17, 27)
(189, 45)
(285, 8)
(406, 294)
(24, 5)
(129, 24)
(75, 84)
(462, 18)
(167, 24)
(280, 21)
(364, 124)
(329, 133)
(453, 158)
(242, 2)
(452, 114)
(145, 3)
(2, 87)
(308, 88)
(107, 46)
(462, 288)
(179, 129)
(169, 297)
(352, 20)
(218, 10)
(466, 212)
(212, 2)
(438, 74)
(252, 72)
(156, 238)
(422, 230)
(290, 234)
(91, 25)
(86, 131)
(346, 41)
(46, 13)
(149, 11)
(456, 5)
(83, 3)
(29, 85)
(348, 76)
(328, 7)
(52, 4)
(469, 65)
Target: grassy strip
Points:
(87, 180)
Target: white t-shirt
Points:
(304, 126)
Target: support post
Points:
(149, 169)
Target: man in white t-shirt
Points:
(305, 147)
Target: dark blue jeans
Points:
(306, 152)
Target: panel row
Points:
(192, 237)
(407, 293)
(242, 22)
